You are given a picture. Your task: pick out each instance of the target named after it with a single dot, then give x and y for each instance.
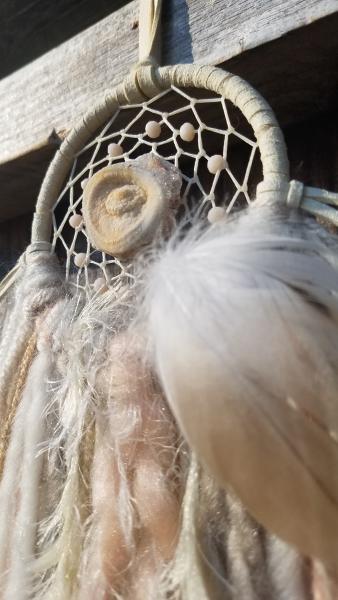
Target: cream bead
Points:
(75, 221)
(115, 150)
(187, 132)
(216, 214)
(100, 285)
(81, 260)
(153, 129)
(216, 163)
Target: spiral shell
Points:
(126, 204)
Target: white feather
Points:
(243, 323)
(24, 532)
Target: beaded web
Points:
(220, 130)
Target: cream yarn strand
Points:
(149, 29)
(14, 396)
(24, 534)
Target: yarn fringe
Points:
(101, 498)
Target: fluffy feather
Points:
(244, 328)
(104, 516)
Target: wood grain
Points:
(50, 93)
(288, 50)
(213, 31)
(28, 29)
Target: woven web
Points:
(220, 129)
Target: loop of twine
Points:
(149, 31)
(143, 75)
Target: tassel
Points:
(113, 530)
(22, 398)
(243, 323)
(135, 499)
(25, 523)
(69, 411)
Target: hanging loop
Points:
(144, 74)
(149, 31)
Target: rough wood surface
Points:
(29, 29)
(213, 31)
(288, 50)
(51, 92)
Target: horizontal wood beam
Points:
(29, 28)
(287, 50)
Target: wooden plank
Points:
(297, 71)
(29, 29)
(51, 92)
(20, 179)
(213, 31)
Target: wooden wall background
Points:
(29, 28)
(288, 51)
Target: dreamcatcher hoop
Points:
(145, 83)
(188, 341)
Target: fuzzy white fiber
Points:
(101, 496)
(243, 323)
(24, 532)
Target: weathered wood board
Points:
(29, 29)
(288, 50)
(54, 90)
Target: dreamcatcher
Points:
(172, 331)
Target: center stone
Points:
(124, 199)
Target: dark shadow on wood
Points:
(14, 238)
(297, 73)
(313, 151)
(20, 180)
(176, 19)
(28, 29)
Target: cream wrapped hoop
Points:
(126, 204)
(229, 119)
